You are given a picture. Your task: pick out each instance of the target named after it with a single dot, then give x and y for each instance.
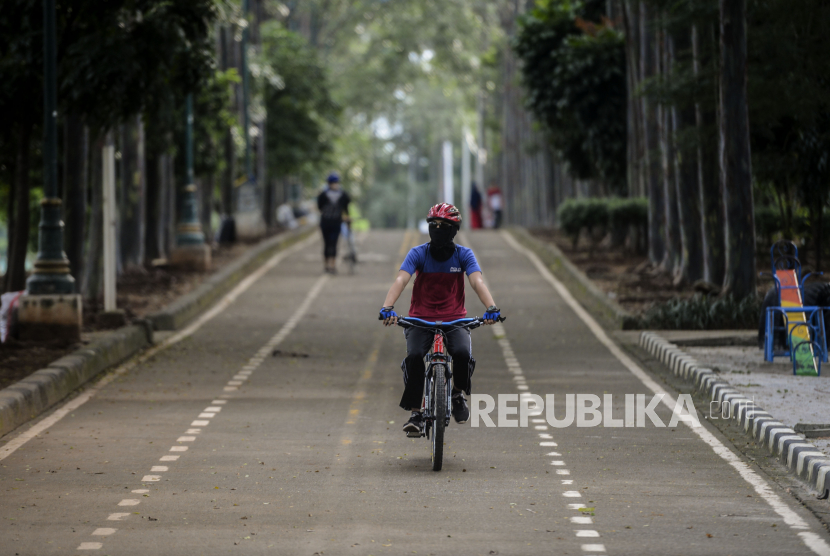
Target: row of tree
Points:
(125, 69)
(709, 108)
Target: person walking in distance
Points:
(475, 208)
(438, 295)
(333, 203)
(494, 199)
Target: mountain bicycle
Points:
(437, 401)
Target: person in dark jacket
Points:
(475, 208)
(333, 203)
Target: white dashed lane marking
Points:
(540, 425)
(209, 413)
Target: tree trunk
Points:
(76, 158)
(19, 235)
(206, 186)
(735, 159)
(131, 238)
(141, 177)
(674, 248)
(636, 178)
(688, 188)
(711, 200)
(229, 152)
(656, 210)
(152, 239)
(92, 272)
(688, 196)
(172, 203)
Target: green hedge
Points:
(601, 215)
(702, 313)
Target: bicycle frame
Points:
(438, 355)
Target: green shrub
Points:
(598, 215)
(702, 313)
(627, 216)
(570, 215)
(632, 211)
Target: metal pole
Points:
(410, 199)
(448, 184)
(51, 269)
(465, 179)
(189, 229)
(481, 152)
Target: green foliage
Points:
(574, 77)
(302, 117)
(590, 214)
(598, 215)
(627, 212)
(702, 313)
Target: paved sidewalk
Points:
(735, 357)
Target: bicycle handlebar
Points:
(405, 322)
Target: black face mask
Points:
(441, 246)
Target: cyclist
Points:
(438, 295)
(333, 203)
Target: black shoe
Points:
(460, 411)
(415, 425)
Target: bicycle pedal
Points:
(414, 434)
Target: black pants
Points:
(497, 222)
(418, 344)
(331, 233)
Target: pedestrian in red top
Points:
(494, 200)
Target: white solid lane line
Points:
(12, 446)
(762, 488)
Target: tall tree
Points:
(708, 175)
(735, 155)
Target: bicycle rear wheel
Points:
(439, 413)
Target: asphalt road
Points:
(274, 428)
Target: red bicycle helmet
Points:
(445, 212)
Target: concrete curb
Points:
(191, 304)
(578, 283)
(801, 457)
(33, 395)
(28, 398)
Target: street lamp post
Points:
(191, 250)
(50, 309)
(51, 270)
(189, 229)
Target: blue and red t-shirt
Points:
(438, 293)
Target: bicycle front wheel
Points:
(439, 413)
